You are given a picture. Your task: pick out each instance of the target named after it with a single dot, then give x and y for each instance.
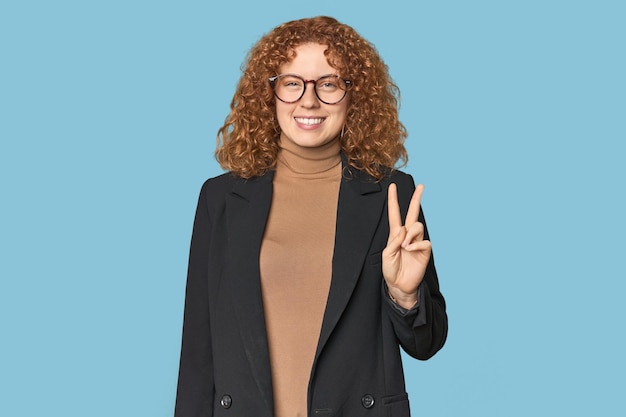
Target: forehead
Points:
(309, 60)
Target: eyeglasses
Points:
(329, 89)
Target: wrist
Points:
(403, 299)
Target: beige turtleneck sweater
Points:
(295, 262)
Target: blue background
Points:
(516, 113)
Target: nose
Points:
(309, 99)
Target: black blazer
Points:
(357, 370)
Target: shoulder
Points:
(403, 181)
(214, 190)
(220, 184)
(404, 184)
(400, 178)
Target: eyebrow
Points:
(310, 79)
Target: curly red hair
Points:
(373, 136)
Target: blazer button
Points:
(226, 401)
(367, 401)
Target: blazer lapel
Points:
(361, 203)
(247, 211)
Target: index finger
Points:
(393, 209)
(414, 206)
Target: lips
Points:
(309, 121)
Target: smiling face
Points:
(309, 122)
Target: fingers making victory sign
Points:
(407, 253)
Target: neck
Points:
(304, 160)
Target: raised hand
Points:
(407, 253)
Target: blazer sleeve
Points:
(194, 396)
(422, 330)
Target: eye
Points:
(291, 82)
(329, 83)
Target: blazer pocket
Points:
(322, 412)
(397, 405)
(375, 258)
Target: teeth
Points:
(308, 121)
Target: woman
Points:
(304, 279)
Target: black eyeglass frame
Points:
(273, 79)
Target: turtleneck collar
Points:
(309, 161)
